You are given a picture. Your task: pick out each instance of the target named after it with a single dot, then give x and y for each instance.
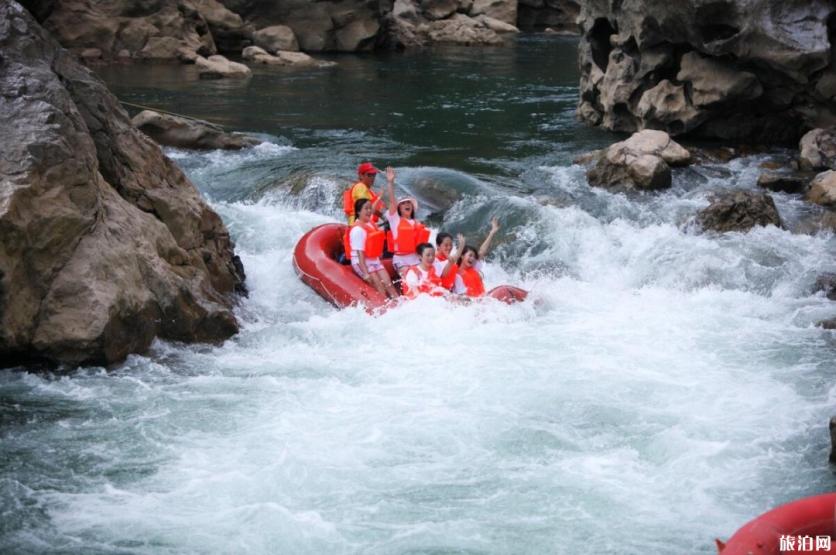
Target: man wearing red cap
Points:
(366, 173)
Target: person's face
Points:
(405, 210)
(368, 179)
(446, 246)
(469, 259)
(366, 212)
(427, 257)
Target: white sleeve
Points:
(357, 238)
(394, 221)
(458, 286)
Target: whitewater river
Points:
(662, 387)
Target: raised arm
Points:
(486, 244)
(390, 184)
(454, 255)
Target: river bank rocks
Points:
(742, 70)
(258, 55)
(738, 211)
(127, 29)
(218, 67)
(641, 162)
(104, 243)
(417, 23)
(179, 132)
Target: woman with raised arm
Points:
(445, 258)
(405, 232)
(365, 243)
(469, 278)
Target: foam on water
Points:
(660, 388)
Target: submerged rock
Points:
(826, 283)
(754, 70)
(739, 211)
(783, 182)
(170, 130)
(643, 162)
(104, 243)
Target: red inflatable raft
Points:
(804, 526)
(315, 260)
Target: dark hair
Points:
(464, 252)
(441, 237)
(358, 205)
(422, 247)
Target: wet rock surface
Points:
(104, 243)
(642, 162)
(170, 130)
(738, 211)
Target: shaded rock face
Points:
(558, 15)
(345, 26)
(181, 132)
(140, 29)
(641, 162)
(739, 211)
(104, 244)
(746, 70)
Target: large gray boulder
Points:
(754, 70)
(818, 150)
(275, 38)
(641, 162)
(823, 189)
(104, 243)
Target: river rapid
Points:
(662, 387)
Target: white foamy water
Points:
(659, 389)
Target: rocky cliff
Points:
(745, 70)
(104, 244)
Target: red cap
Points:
(366, 167)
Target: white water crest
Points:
(661, 387)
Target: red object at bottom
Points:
(804, 526)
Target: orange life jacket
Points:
(411, 233)
(450, 279)
(430, 284)
(374, 241)
(348, 200)
(472, 282)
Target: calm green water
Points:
(662, 387)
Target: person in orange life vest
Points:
(444, 263)
(366, 246)
(422, 278)
(469, 278)
(406, 232)
(366, 173)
